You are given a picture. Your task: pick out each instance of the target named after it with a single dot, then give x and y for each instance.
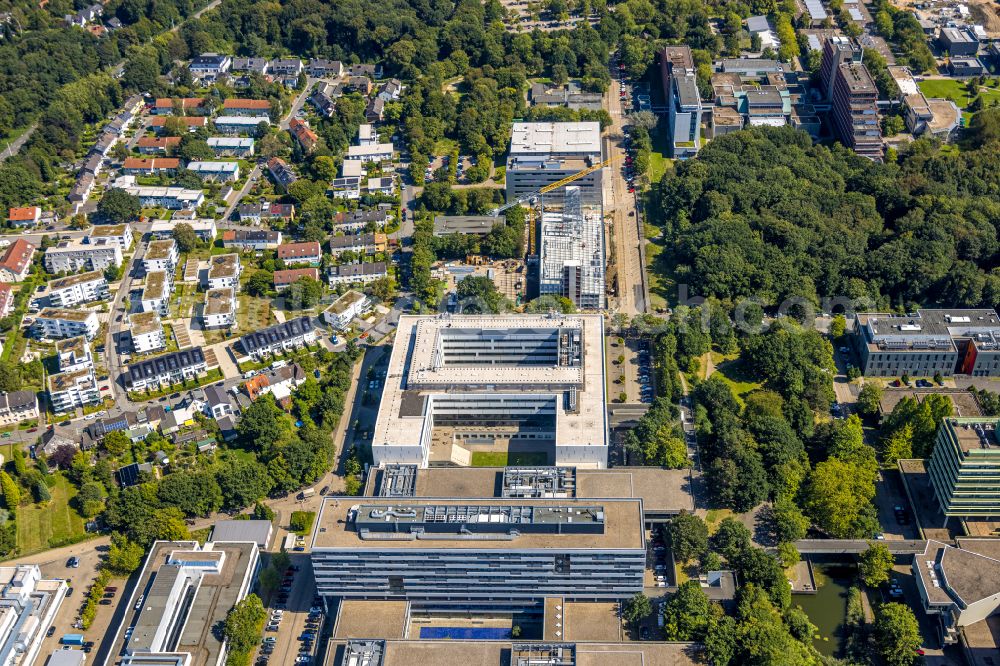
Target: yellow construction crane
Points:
(556, 185)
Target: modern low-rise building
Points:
(929, 342)
(964, 467)
(69, 390)
(361, 273)
(280, 338)
(57, 323)
(205, 228)
(220, 308)
(18, 406)
(462, 385)
(210, 66)
(78, 289)
(350, 305)
(15, 263)
(240, 125)
(183, 594)
(544, 153)
(488, 553)
(286, 278)
(71, 256)
(308, 252)
(220, 171)
(172, 198)
(229, 146)
(376, 152)
(119, 234)
(28, 607)
(251, 240)
(224, 271)
(161, 255)
(165, 370)
(958, 41)
(146, 331)
(73, 354)
(156, 292)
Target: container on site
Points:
(72, 639)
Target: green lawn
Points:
(44, 526)
(956, 91)
(732, 372)
(658, 165)
(503, 459)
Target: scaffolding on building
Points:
(572, 253)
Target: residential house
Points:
(149, 166)
(210, 66)
(320, 67)
(300, 253)
(254, 213)
(375, 110)
(217, 403)
(159, 123)
(225, 146)
(350, 305)
(156, 292)
(161, 255)
(305, 136)
(362, 69)
(359, 84)
(385, 185)
(220, 308)
(159, 145)
(246, 107)
(220, 171)
(251, 240)
(82, 188)
(279, 382)
(356, 273)
(15, 264)
(324, 97)
(286, 278)
(279, 338)
(84, 16)
(117, 234)
(376, 153)
(78, 289)
(173, 198)
(224, 271)
(18, 406)
(281, 172)
(6, 299)
(165, 370)
(69, 390)
(58, 437)
(285, 67)
(188, 106)
(24, 217)
(249, 65)
(56, 323)
(348, 187)
(390, 90)
(359, 243)
(69, 256)
(240, 125)
(146, 331)
(359, 220)
(367, 135)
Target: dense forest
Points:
(765, 213)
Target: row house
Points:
(246, 107)
(231, 146)
(157, 145)
(150, 166)
(350, 274)
(286, 278)
(251, 240)
(166, 370)
(280, 338)
(239, 125)
(300, 253)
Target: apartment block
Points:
(219, 171)
(929, 342)
(340, 313)
(161, 255)
(156, 292)
(224, 271)
(544, 153)
(120, 234)
(73, 354)
(231, 146)
(69, 390)
(286, 278)
(72, 256)
(29, 604)
(241, 239)
(239, 125)
(300, 253)
(15, 263)
(146, 331)
(57, 323)
(854, 97)
(357, 273)
(78, 289)
(220, 308)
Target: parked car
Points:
(73, 562)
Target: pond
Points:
(828, 607)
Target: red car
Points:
(104, 388)
(32, 429)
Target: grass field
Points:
(732, 372)
(54, 522)
(502, 459)
(956, 91)
(252, 314)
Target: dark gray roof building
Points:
(267, 338)
(173, 363)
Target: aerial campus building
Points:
(544, 153)
(572, 258)
(28, 606)
(929, 342)
(458, 386)
(964, 467)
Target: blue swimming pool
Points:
(466, 633)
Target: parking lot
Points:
(295, 618)
(635, 367)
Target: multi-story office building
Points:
(72, 256)
(280, 338)
(462, 385)
(544, 153)
(929, 342)
(57, 323)
(480, 553)
(965, 467)
(183, 595)
(69, 390)
(120, 234)
(28, 607)
(571, 259)
(156, 293)
(837, 50)
(224, 272)
(853, 97)
(18, 406)
(161, 255)
(684, 108)
(220, 308)
(78, 289)
(172, 368)
(147, 332)
(74, 354)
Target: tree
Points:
(242, 482)
(185, 237)
(167, 524)
(897, 634)
(645, 119)
(262, 425)
(141, 70)
(688, 536)
(789, 522)
(244, 625)
(194, 493)
(259, 283)
(303, 294)
(897, 445)
(383, 289)
(325, 167)
(119, 206)
(116, 443)
(124, 556)
(478, 294)
(687, 615)
(838, 498)
(637, 608)
(869, 399)
(732, 539)
(11, 493)
(875, 564)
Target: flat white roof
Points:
(242, 120)
(375, 149)
(578, 138)
(229, 142)
(214, 167)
